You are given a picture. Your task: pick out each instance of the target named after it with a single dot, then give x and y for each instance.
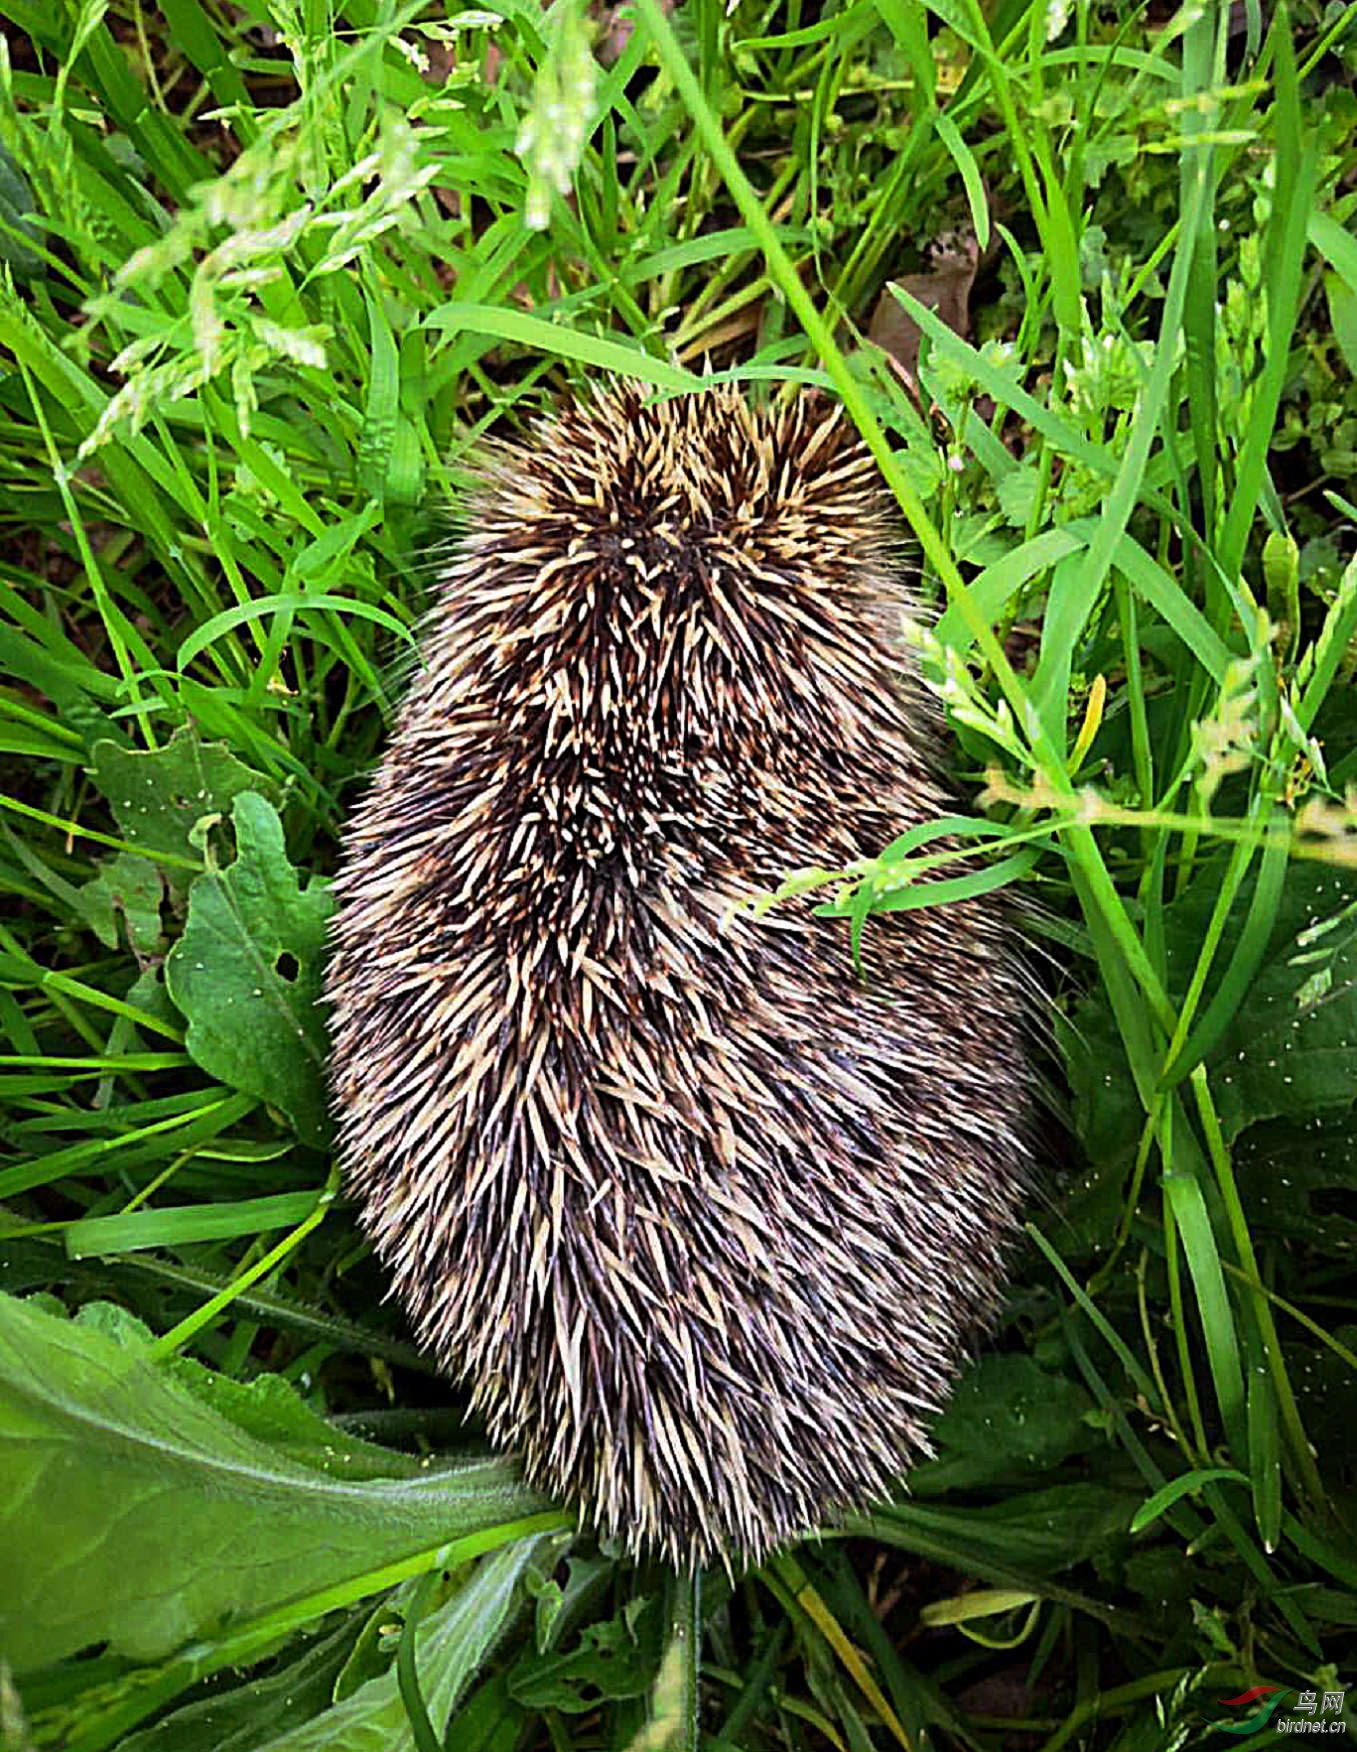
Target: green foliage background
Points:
(268, 272)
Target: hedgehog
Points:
(704, 1216)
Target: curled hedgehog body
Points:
(702, 1218)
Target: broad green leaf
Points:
(450, 1645)
(611, 1660)
(1007, 1416)
(269, 1408)
(1295, 1178)
(278, 1715)
(244, 1719)
(1027, 1536)
(124, 1499)
(128, 885)
(1290, 1046)
(1326, 1389)
(247, 973)
(159, 797)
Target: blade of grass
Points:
(549, 337)
(1293, 201)
(177, 1226)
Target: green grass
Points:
(267, 278)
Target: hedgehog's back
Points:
(703, 1220)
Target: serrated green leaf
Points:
(609, 1660)
(269, 1408)
(130, 886)
(159, 797)
(247, 973)
(123, 1497)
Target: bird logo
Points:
(1267, 1697)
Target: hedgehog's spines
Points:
(702, 1221)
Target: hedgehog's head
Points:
(659, 589)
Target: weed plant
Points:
(268, 272)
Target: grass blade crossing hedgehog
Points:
(702, 1219)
